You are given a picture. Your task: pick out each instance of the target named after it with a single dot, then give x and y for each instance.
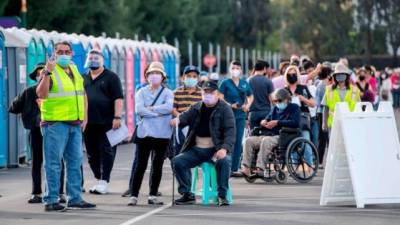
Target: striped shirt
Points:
(183, 99)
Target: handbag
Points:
(261, 131)
(135, 138)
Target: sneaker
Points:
(127, 193)
(159, 194)
(223, 202)
(55, 207)
(133, 201)
(81, 205)
(186, 199)
(35, 199)
(153, 200)
(62, 199)
(102, 187)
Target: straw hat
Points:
(156, 67)
(341, 69)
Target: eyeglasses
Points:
(66, 52)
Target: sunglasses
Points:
(278, 100)
(292, 74)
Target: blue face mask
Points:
(94, 65)
(63, 60)
(190, 82)
(281, 105)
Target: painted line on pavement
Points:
(146, 215)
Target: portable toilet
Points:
(79, 54)
(3, 104)
(130, 89)
(137, 66)
(40, 53)
(143, 65)
(18, 44)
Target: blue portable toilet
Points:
(79, 56)
(17, 45)
(3, 104)
(137, 67)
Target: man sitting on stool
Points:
(211, 137)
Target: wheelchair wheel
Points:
(280, 177)
(302, 160)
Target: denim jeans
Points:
(62, 140)
(308, 155)
(194, 157)
(314, 131)
(238, 149)
(256, 117)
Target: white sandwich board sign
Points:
(363, 162)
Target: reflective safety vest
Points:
(332, 98)
(65, 101)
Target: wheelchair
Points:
(294, 156)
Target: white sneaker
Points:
(102, 187)
(133, 201)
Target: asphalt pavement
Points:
(254, 204)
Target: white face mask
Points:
(236, 73)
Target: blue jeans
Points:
(62, 140)
(314, 131)
(194, 157)
(256, 117)
(238, 149)
(308, 156)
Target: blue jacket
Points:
(290, 117)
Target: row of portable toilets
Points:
(21, 50)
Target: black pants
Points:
(147, 146)
(323, 139)
(100, 154)
(36, 143)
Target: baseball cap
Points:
(190, 68)
(209, 85)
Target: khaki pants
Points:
(264, 143)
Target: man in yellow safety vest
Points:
(63, 115)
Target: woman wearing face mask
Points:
(154, 104)
(105, 100)
(364, 87)
(238, 94)
(303, 98)
(340, 91)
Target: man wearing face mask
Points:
(184, 97)
(63, 117)
(105, 101)
(283, 114)
(211, 137)
(340, 91)
(238, 94)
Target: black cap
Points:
(38, 66)
(209, 85)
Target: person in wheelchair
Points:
(283, 114)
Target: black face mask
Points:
(362, 78)
(292, 79)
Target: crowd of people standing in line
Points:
(211, 114)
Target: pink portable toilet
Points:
(143, 65)
(130, 91)
(155, 55)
